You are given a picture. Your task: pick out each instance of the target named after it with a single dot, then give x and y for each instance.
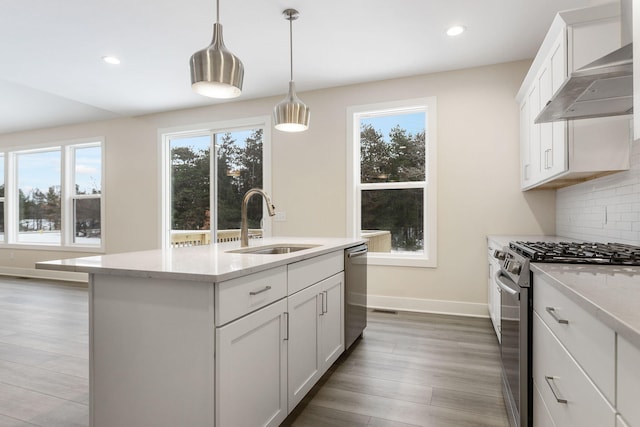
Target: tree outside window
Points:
(393, 199)
(237, 168)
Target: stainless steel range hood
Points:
(599, 89)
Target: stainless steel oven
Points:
(513, 278)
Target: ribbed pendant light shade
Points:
(291, 114)
(215, 71)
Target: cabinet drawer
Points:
(305, 273)
(236, 297)
(589, 341)
(558, 377)
(628, 382)
(541, 415)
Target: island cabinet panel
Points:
(151, 352)
(316, 334)
(251, 366)
(237, 297)
(332, 320)
(305, 312)
(305, 273)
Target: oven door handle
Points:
(504, 287)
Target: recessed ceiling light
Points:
(456, 30)
(111, 60)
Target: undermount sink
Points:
(272, 249)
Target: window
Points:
(198, 207)
(2, 198)
(392, 180)
(53, 196)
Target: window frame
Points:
(210, 129)
(355, 187)
(67, 179)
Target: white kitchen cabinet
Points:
(541, 415)
(237, 297)
(332, 320)
(304, 309)
(493, 290)
(628, 382)
(251, 369)
(590, 342)
(562, 153)
(565, 389)
(636, 68)
(270, 354)
(316, 334)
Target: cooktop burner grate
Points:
(578, 252)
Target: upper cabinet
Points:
(636, 68)
(562, 153)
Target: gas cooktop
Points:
(578, 252)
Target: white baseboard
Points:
(455, 308)
(67, 276)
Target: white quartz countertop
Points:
(212, 263)
(610, 293)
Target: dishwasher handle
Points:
(357, 253)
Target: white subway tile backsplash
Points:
(603, 210)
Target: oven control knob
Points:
(514, 267)
(497, 254)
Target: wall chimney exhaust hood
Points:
(600, 89)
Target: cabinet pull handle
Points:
(552, 313)
(286, 325)
(527, 168)
(326, 301)
(321, 304)
(555, 392)
(546, 158)
(265, 289)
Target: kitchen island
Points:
(205, 336)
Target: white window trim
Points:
(211, 128)
(354, 187)
(11, 208)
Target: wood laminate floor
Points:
(409, 370)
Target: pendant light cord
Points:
(291, 43)
(218, 11)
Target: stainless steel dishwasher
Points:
(355, 292)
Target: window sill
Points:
(52, 248)
(386, 259)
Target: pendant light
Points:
(215, 71)
(291, 115)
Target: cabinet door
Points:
(304, 338)
(332, 320)
(553, 136)
(636, 68)
(251, 369)
(525, 144)
(533, 100)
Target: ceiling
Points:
(52, 73)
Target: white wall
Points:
(603, 210)
(478, 181)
